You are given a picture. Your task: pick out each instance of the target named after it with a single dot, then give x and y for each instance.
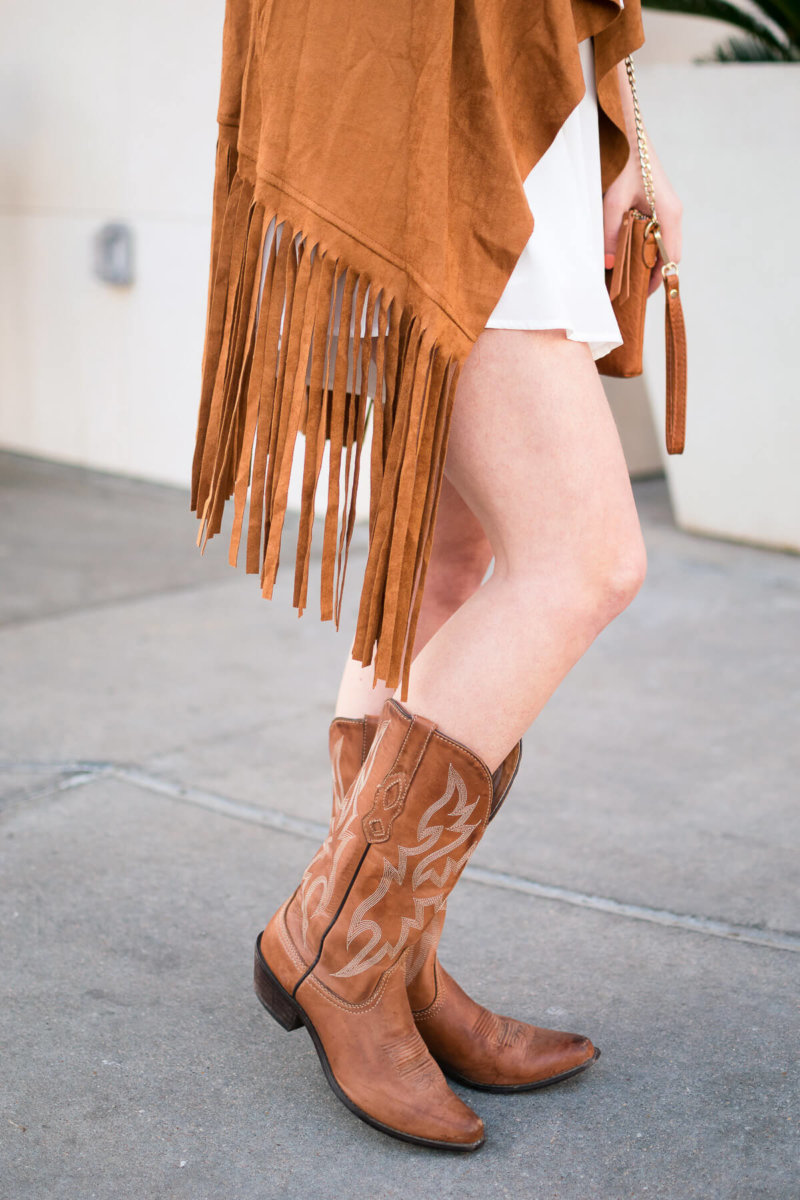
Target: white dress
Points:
(558, 281)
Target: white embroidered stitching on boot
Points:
(426, 945)
(428, 841)
(345, 811)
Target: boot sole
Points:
(507, 1088)
(290, 1015)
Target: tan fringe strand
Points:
(255, 400)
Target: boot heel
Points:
(276, 999)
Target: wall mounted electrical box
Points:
(113, 254)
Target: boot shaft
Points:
(350, 739)
(399, 841)
(430, 801)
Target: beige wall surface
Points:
(671, 38)
(729, 133)
(108, 114)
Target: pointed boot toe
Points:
(482, 1050)
(379, 1066)
(372, 1055)
(547, 1056)
(465, 1127)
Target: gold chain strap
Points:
(647, 173)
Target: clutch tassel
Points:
(622, 259)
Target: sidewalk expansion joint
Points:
(76, 774)
(22, 621)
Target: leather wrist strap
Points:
(676, 365)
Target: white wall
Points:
(678, 39)
(108, 113)
(732, 132)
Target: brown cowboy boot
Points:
(334, 955)
(472, 1045)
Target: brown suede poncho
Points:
(391, 139)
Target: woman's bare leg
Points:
(460, 557)
(535, 454)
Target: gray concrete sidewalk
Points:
(163, 781)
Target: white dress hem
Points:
(558, 281)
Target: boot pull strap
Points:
(371, 724)
(503, 778)
(390, 794)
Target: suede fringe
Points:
(262, 385)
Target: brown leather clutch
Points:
(627, 282)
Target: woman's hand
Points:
(627, 191)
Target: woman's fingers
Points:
(626, 192)
(670, 216)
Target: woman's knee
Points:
(589, 583)
(456, 570)
(620, 579)
(460, 554)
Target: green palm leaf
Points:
(763, 43)
(748, 49)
